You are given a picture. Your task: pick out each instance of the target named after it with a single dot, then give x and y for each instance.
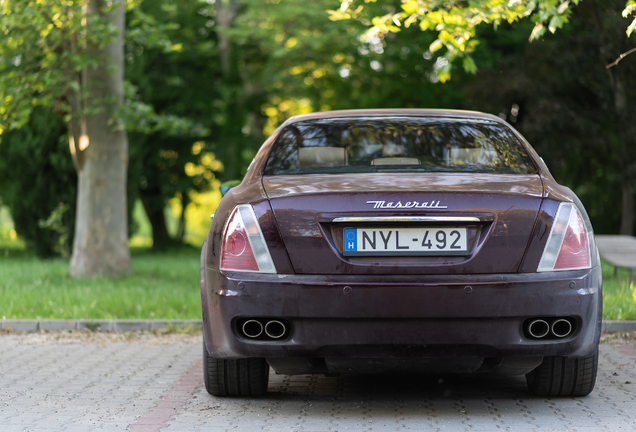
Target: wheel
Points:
(564, 376)
(238, 377)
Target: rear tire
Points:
(564, 376)
(238, 377)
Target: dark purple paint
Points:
(305, 207)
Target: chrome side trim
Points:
(409, 219)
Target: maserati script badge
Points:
(406, 205)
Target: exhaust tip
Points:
(561, 328)
(538, 328)
(275, 329)
(252, 328)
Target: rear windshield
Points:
(397, 144)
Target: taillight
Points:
(244, 247)
(568, 247)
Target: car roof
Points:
(395, 112)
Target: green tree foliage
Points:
(183, 82)
(455, 21)
(311, 64)
(43, 53)
(45, 50)
(37, 177)
(50, 56)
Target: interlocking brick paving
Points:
(115, 382)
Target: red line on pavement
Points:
(172, 404)
(629, 351)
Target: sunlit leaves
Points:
(455, 21)
(277, 110)
(44, 52)
(555, 23)
(46, 47)
(630, 8)
(435, 46)
(537, 32)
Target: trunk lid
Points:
(497, 213)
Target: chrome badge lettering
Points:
(407, 205)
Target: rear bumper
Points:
(457, 316)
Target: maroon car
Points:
(417, 241)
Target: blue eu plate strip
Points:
(351, 239)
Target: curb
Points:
(149, 325)
(618, 326)
(102, 325)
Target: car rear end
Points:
(402, 241)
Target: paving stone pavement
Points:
(150, 384)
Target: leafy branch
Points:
(455, 21)
(135, 115)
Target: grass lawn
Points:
(619, 299)
(163, 286)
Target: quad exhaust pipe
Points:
(538, 328)
(252, 328)
(556, 328)
(275, 329)
(264, 329)
(561, 328)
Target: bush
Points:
(39, 184)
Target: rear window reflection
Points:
(397, 144)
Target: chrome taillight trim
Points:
(255, 238)
(555, 239)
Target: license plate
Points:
(405, 241)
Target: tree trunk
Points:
(231, 149)
(154, 206)
(627, 217)
(226, 12)
(185, 200)
(627, 142)
(101, 228)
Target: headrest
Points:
(321, 157)
(473, 156)
(396, 161)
